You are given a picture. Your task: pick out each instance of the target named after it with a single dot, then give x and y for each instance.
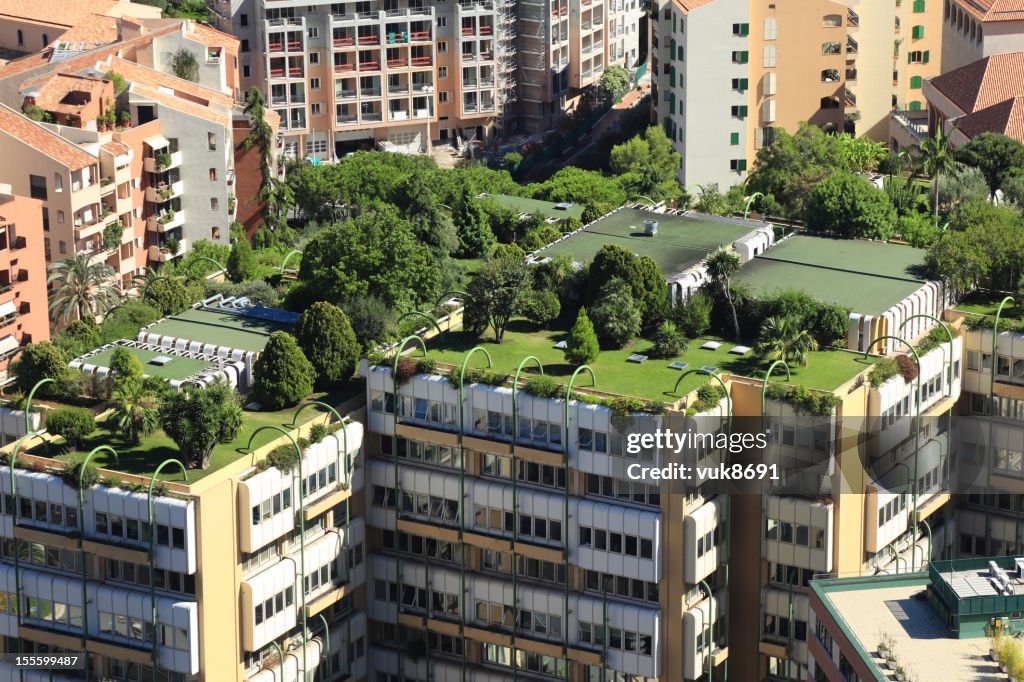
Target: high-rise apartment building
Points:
(730, 72)
(23, 311)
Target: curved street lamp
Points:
(917, 421)
(81, 545)
(152, 554)
(448, 295)
(200, 259)
(728, 399)
(28, 402)
(750, 200)
(565, 510)
(288, 257)
(14, 525)
(418, 313)
(644, 196)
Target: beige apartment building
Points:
(839, 65)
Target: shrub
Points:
(615, 315)
(330, 344)
(124, 365)
(39, 361)
(804, 400)
(317, 432)
(283, 375)
(669, 341)
(73, 423)
(284, 458)
(406, 370)
(884, 370)
(595, 209)
(126, 320)
(694, 316)
(426, 366)
(542, 307)
(477, 376)
(241, 263)
(581, 345)
(708, 396)
(170, 296)
(906, 367)
(72, 471)
(543, 386)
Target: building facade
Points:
(22, 268)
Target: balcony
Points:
(369, 65)
(371, 39)
(369, 92)
(344, 67)
(342, 40)
(851, 45)
(398, 89)
(371, 117)
(852, 19)
(344, 94)
(161, 253)
(163, 193)
(165, 221)
(154, 164)
(345, 120)
(422, 61)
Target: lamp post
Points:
(917, 420)
(81, 545)
(152, 555)
(288, 257)
(28, 402)
(14, 525)
(565, 508)
(709, 643)
(750, 200)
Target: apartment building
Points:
(844, 66)
(22, 266)
(253, 573)
(27, 27)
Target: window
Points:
(211, 142)
(770, 28)
(917, 32)
(915, 82)
(739, 111)
(740, 57)
(442, 47)
(769, 56)
(442, 72)
(917, 57)
(314, 83)
(740, 84)
(60, 216)
(915, 105)
(62, 246)
(37, 187)
(314, 57)
(740, 29)
(738, 165)
(442, 22)
(918, 6)
(21, 38)
(314, 109)
(442, 96)
(243, 20)
(244, 48)
(313, 32)
(246, 71)
(213, 174)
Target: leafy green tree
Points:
(118, 81)
(693, 316)
(125, 321)
(995, 155)
(184, 65)
(615, 316)
(541, 307)
(937, 159)
(791, 166)
(903, 193)
(375, 254)
(80, 288)
(647, 164)
(475, 237)
(241, 263)
(79, 337)
(283, 376)
(39, 361)
(857, 154)
(508, 252)
(581, 345)
(112, 234)
(372, 320)
(124, 366)
(1013, 191)
(198, 419)
(783, 338)
(326, 337)
(917, 229)
(615, 83)
(851, 206)
(432, 222)
(315, 192)
(713, 202)
(595, 209)
(721, 266)
(72, 423)
(261, 136)
(497, 292)
(581, 186)
(648, 287)
(170, 296)
(136, 409)
(669, 341)
(958, 260)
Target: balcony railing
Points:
(370, 65)
(345, 119)
(344, 42)
(369, 39)
(344, 67)
(373, 116)
(400, 89)
(344, 94)
(369, 92)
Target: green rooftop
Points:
(651, 380)
(178, 368)
(681, 241)
(987, 303)
(867, 277)
(219, 328)
(547, 209)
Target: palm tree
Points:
(721, 266)
(136, 412)
(782, 338)
(80, 288)
(937, 159)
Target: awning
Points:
(8, 344)
(157, 142)
(8, 308)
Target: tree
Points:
(958, 260)
(283, 375)
(713, 202)
(261, 136)
(917, 229)
(372, 320)
(995, 155)
(80, 288)
(241, 263)
(79, 336)
(497, 292)
(39, 361)
(615, 315)
(124, 366)
(937, 159)
(541, 307)
(125, 321)
(112, 235)
(326, 337)
(118, 81)
(721, 266)
(595, 209)
(136, 412)
(72, 423)
(170, 296)
(198, 419)
(849, 205)
(185, 65)
(783, 338)
(581, 186)
(475, 237)
(615, 82)
(581, 345)
(693, 316)
(647, 284)
(647, 164)
(669, 341)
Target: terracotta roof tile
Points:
(53, 95)
(183, 105)
(143, 75)
(95, 31)
(116, 148)
(994, 10)
(983, 83)
(1005, 117)
(71, 12)
(690, 5)
(211, 36)
(41, 139)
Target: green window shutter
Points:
(742, 165)
(672, 104)
(672, 47)
(744, 83)
(681, 54)
(734, 138)
(743, 111)
(744, 29)
(744, 57)
(672, 76)
(910, 58)
(925, 59)
(918, 32)
(915, 105)
(915, 82)
(918, 6)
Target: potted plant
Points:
(163, 159)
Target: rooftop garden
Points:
(981, 307)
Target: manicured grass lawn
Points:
(178, 368)
(652, 380)
(986, 303)
(142, 459)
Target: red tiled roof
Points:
(983, 83)
(96, 30)
(143, 75)
(66, 13)
(1006, 118)
(211, 36)
(690, 5)
(994, 10)
(34, 135)
(53, 95)
(116, 148)
(183, 105)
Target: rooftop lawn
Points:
(142, 459)
(218, 328)
(548, 209)
(867, 277)
(987, 303)
(680, 243)
(177, 368)
(652, 380)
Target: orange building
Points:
(23, 313)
